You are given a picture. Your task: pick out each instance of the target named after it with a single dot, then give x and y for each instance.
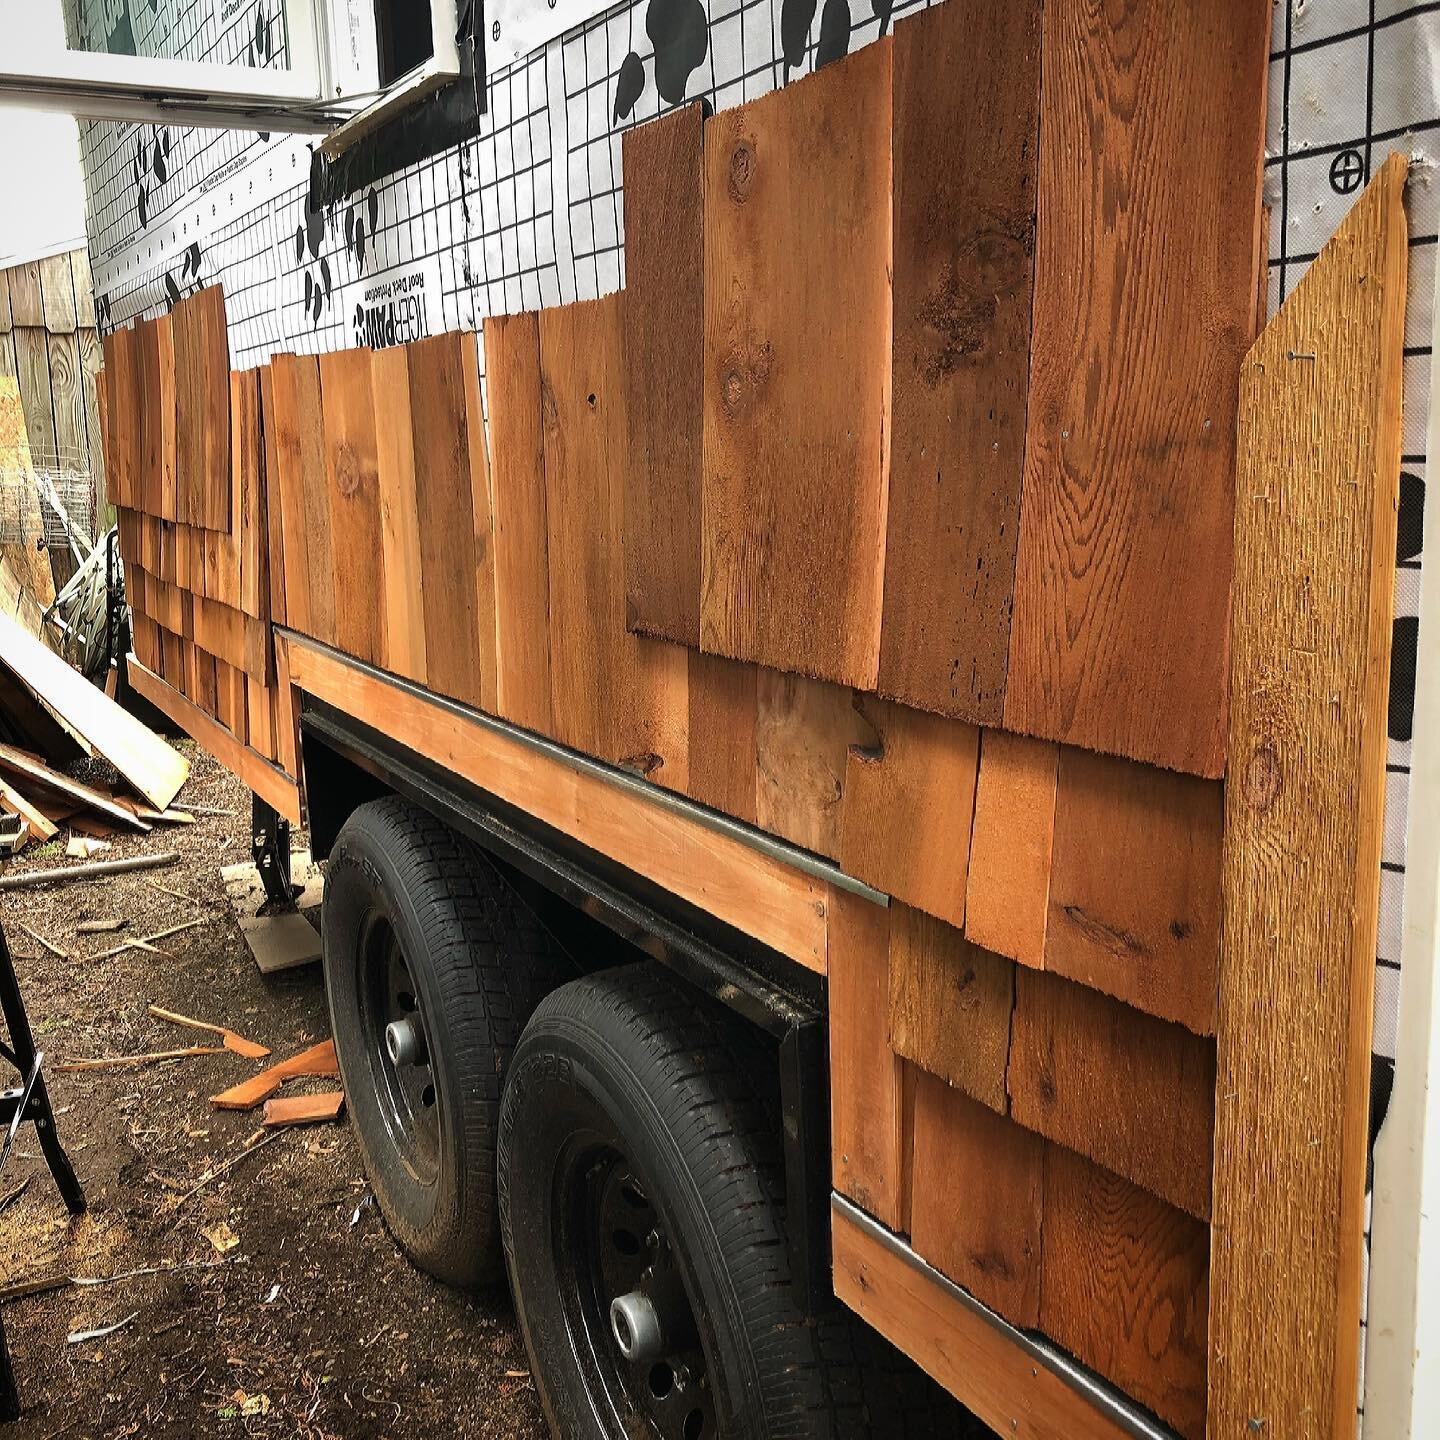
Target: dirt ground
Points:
(313, 1324)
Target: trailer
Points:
(840, 599)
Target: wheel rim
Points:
(611, 1242)
(404, 1085)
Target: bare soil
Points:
(313, 1324)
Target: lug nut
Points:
(636, 1324)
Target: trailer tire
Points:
(636, 1112)
(420, 926)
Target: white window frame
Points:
(442, 67)
(322, 92)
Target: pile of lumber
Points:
(50, 716)
(185, 453)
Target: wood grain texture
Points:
(1008, 886)
(723, 771)
(57, 289)
(867, 1132)
(405, 648)
(250, 534)
(616, 695)
(950, 1005)
(909, 806)
(777, 904)
(1123, 1287)
(517, 477)
(1150, 116)
(263, 778)
(202, 409)
(274, 500)
(964, 243)
(27, 301)
(977, 1205)
(304, 501)
(1135, 885)
(1133, 1093)
(964, 1351)
(62, 353)
(482, 519)
(32, 369)
(797, 372)
(449, 556)
(803, 733)
(155, 351)
(353, 485)
(665, 373)
(1319, 445)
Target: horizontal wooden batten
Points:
(1016, 1384)
(782, 902)
(266, 779)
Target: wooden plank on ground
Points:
(304, 498)
(452, 554)
(616, 695)
(961, 1348)
(202, 409)
(665, 372)
(353, 482)
(1008, 888)
(868, 1140)
(964, 233)
(399, 518)
(1134, 1093)
(522, 567)
(777, 904)
(142, 757)
(722, 717)
(34, 771)
(1135, 885)
(1123, 1287)
(909, 806)
(1319, 445)
(797, 357)
(803, 733)
(1148, 117)
(41, 825)
(258, 774)
(977, 1207)
(950, 1004)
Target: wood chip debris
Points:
(79, 1337)
(251, 1049)
(115, 1062)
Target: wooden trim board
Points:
(780, 906)
(267, 780)
(965, 1350)
(1319, 446)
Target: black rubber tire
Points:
(685, 1084)
(481, 962)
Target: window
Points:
(331, 67)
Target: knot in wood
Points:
(1263, 779)
(742, 171)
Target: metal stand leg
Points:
(37, 1107)
(30, 1102)
(270, 846)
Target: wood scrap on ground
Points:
(94, 870)
(147, 942)
(114, 1062)
(315, 1060)
(304, 1109)
(232, 1041)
